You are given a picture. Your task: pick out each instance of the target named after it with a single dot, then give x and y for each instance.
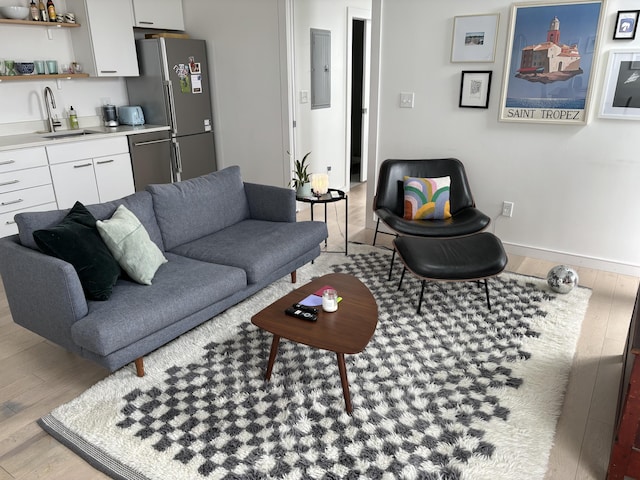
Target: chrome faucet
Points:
(53, 124)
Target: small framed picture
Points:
(475, 87)
(626, 25)
(474, 38)
(621, 95)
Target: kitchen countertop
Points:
(10, 142)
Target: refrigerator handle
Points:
(171, 104)
(178, 157)
(175, 176)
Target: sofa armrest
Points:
(44, 292)
(271, 203)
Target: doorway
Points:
(357, 87)
(358, 81)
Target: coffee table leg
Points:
(272, 355)
(342, 367)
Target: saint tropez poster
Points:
(550, 62)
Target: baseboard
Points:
(572, 259)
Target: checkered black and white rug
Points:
(457, 392)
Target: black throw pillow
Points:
(76, 240)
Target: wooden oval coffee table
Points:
(345, 331)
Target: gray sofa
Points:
(223, 239)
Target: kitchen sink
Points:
(67, 134)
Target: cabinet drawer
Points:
(12, 201)
(22, 158)
(8, 226)
(68, 152)
(32, 177)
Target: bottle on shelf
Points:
(51, 9)
(35, 14)
(73, 119)
(44, 16)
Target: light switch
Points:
(304, 96)
(406, 99)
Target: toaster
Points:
(130, 115)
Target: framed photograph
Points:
(621, 95)
(550, 62)
(626, 25)
(474, 89)
(474, 38)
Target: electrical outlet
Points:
(507, 209)
(328, 168)
(406, 99)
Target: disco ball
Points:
(562, 278)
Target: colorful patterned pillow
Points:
(426, 198)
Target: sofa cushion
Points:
(77, 241)
(199, 206)
(258, 247)
(139, 203)
(129, 243)
(181, 287)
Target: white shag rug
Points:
(457, 392)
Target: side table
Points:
(333, 195)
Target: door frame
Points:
(354, 13)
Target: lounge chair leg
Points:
(393, 256)
(139, 367)
(404, 269)
(375, 235)
(293, 276)
(486, 290)
(421, 294)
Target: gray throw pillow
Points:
(130, 245)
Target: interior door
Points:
(364, 148)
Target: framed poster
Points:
(626, 25)
(474, 38)
(621, 95)
(474, 89)
(550, 62)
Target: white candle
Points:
(320, 183)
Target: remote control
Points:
(305, 308)
(301, 314)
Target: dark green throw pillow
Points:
(76, 240)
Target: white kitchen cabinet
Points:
(91, 171)
(162, 14)
(25, 185)
(114, 176)
(104, 43)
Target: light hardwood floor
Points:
(37, 376)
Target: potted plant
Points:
(301, 180)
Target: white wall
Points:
(245, 40)
(574, 187)
(323, 131)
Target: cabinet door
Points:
(74, 181)
(105, 42)
(163, 14)
(113, 176)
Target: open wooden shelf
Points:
(66, 76)
(39, 24)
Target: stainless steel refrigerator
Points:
(173, 89)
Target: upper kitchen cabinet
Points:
(162, 14)
(104, 44)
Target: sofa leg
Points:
(139, 367)
(293, 276)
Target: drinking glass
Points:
(52, 67)
(39, 64)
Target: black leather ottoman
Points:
(474, 257)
